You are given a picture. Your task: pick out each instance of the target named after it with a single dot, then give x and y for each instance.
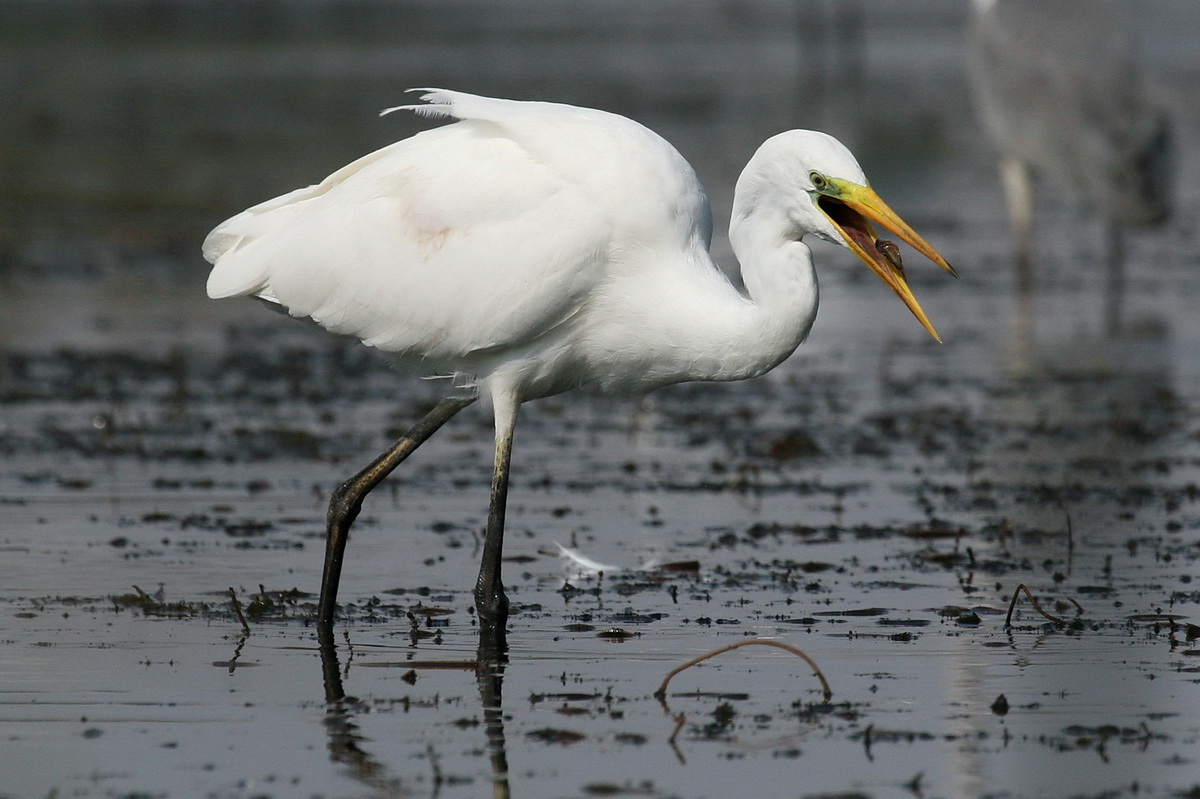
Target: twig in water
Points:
(680, 720)
(1016, 592)
(1003, 535)
(437, 770)
(349, 660)
(661, 693)
(237, 608)
(1070, 544)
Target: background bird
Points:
(532, 248)
(1060, 92)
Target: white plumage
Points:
(465, 243)
(534, 247)
(1059, 89)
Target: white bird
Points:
(531, 248)
(1059, 90)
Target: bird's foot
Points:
(493, 625)
(491, 606)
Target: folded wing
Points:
(452, 241)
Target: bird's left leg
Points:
(346, 501)
(490, 602)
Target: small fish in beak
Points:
(891, 251)
(852, 208)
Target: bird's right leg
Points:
(1017, 178)
(346, 501)
(491, 604)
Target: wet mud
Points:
(876, 502)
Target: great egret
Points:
(531, 248)
(1059, 90)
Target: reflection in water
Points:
(1075, 435)
(1090, 405)
(346, 742)
(490, 676)
(1058, 89)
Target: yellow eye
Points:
(818, 180)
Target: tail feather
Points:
(231, 277)
(234, 272)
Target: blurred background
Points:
(130, 127)
(136, 125)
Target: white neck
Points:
(686, 322)
(709, 331)
(778, 272)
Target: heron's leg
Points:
(490, 602)
(1018, 191)
(346, 501)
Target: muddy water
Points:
(875, 501)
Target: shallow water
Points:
(875, 501)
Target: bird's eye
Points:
(818, 180)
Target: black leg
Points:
(346, 501)
(490, 676)
(490, 602)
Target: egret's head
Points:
(816, 183)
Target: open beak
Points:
(851, 208)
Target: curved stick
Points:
(661, 693)
(1017, 592)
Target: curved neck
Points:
(686, 321)
(778, 273)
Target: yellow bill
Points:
(851, 208)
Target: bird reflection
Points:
(1059, 91)
(490, 676)
(346, 742)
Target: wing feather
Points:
(475, 236)
(447, 243)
